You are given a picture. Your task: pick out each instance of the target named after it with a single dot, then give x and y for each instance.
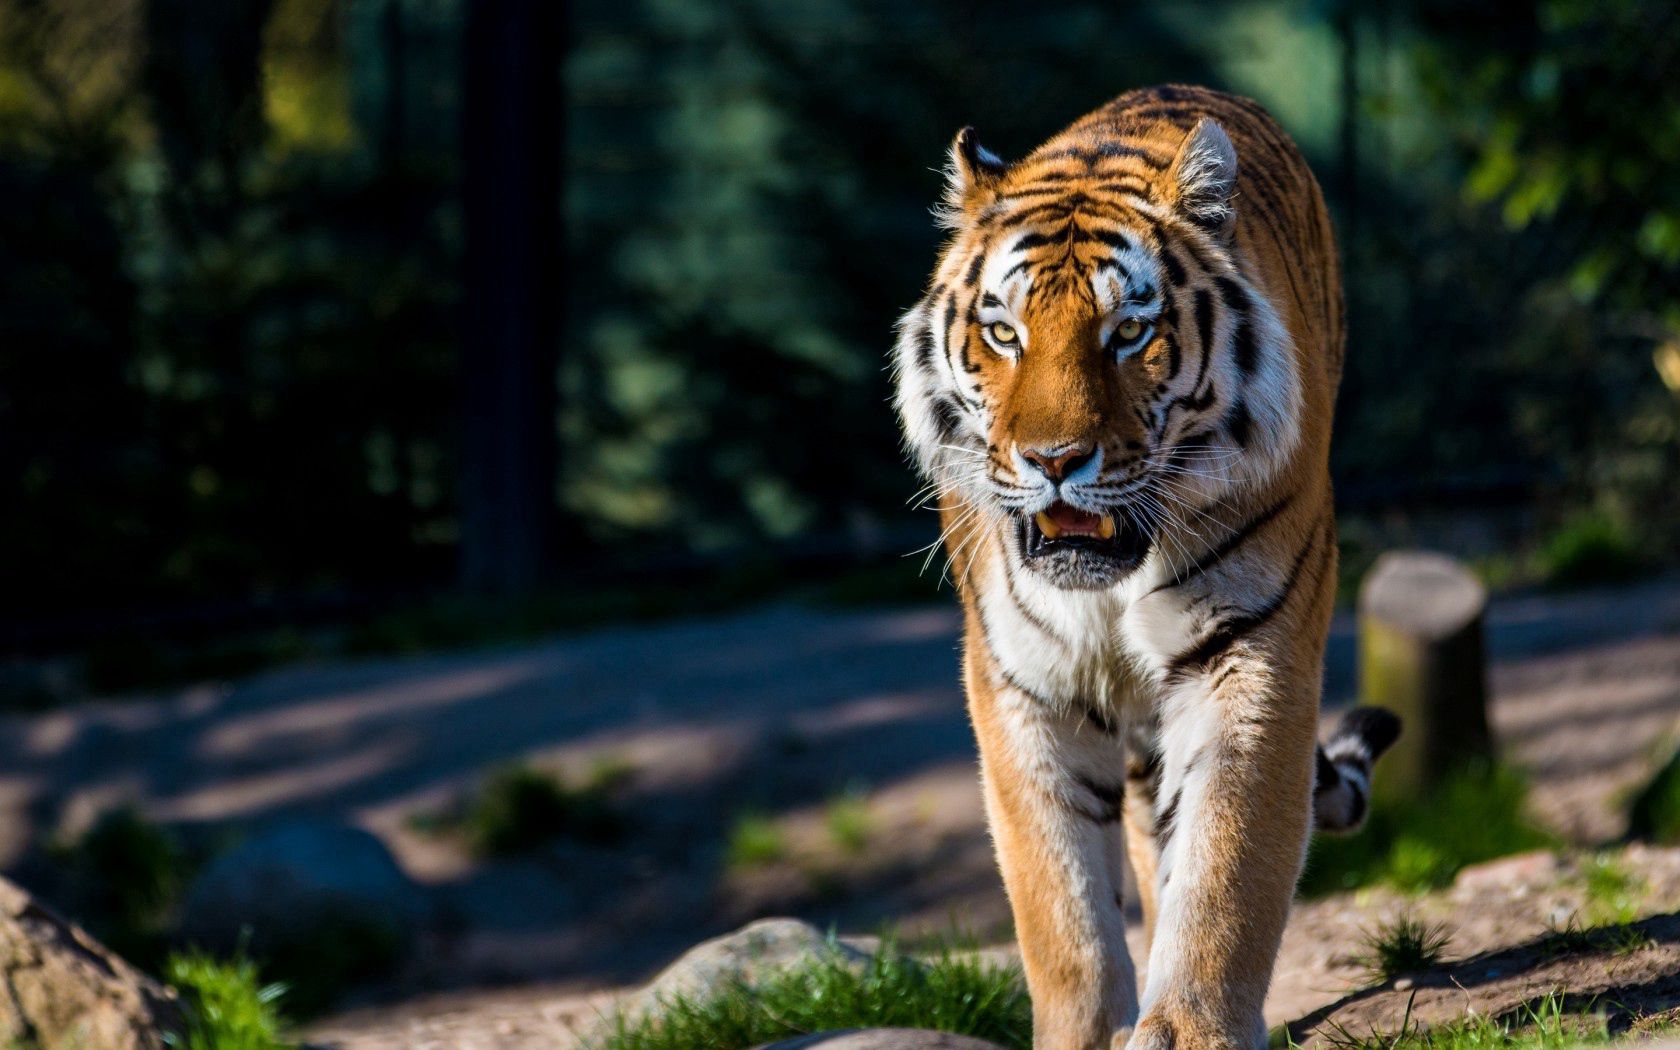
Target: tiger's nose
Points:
(1057, 464)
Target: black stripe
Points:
(1021, 607)
(1112, 238)
(1243, 347)
(947, 418)
(1204, 325)
(1109, 799)
(1175, 268)
(1168, 817)
(1239, 423)
(1231, 542)
(1096, 717)
(1326, 776)
(926, 350)
(1221, 638)
(975, 267)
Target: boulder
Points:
(883, 1039)
(63, 989)
(284, 881)
(749, 954)
(325, 906)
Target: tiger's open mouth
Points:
(1079, 547)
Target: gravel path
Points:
(775, 710)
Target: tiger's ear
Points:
(1204, 176)
(971, 174)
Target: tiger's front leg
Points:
(1233, 815)
(1053, 783)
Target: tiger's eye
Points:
(1002, 334)
(1129, 330)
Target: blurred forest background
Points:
(310, 307)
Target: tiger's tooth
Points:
(1050, 529)
(1105, 528)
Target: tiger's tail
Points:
(1342, 788)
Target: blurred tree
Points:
(1572, 135)
(511, 198)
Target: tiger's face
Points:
(1089, 369)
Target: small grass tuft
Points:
(1654, 814)
(228, 1007)
(848, 820)
(754, 841)
(1588, 548)
(1422, 843)
(1613, 893)
(1545, 1025)
(948, 992)
(125, 878)
(1403, 946)
(520, 808)
(1572, 937)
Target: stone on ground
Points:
(748, 955)
(64, 989)
(883, 1039)
(297, 878)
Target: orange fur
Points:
(1198, 669)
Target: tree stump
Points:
(1421, 656)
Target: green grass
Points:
(848, 820)
(1654, 813)
(125, 876)
(948, 992)
(1613, 893)
(228, 1007)
(1404, 945)
(1421, 844)
(754, 841)
(520, 808)
(1546, 1025)
(1590, 547)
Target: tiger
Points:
(1119, 386)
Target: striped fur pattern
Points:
(1119, 386)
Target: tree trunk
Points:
(511, 142)
(1421, 656)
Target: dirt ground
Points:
(778, 711)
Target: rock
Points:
(749, 954)
(883, 1039)
(1520, 869)
(294, 881)
(64, 989)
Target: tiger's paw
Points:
(1169, 1029)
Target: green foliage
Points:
(1553, 111)
(1654, 813)
(228, 1006)
(125, 875)
(948, 992)
(1546, 1025)
(520, 808)
(1402, 946)
(848, 820)
(1613, 893)
(1574, 936)
(1593, 547)
(338, 950)
(1421, 844)
(754, 841)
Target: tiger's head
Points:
(1090, 369)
